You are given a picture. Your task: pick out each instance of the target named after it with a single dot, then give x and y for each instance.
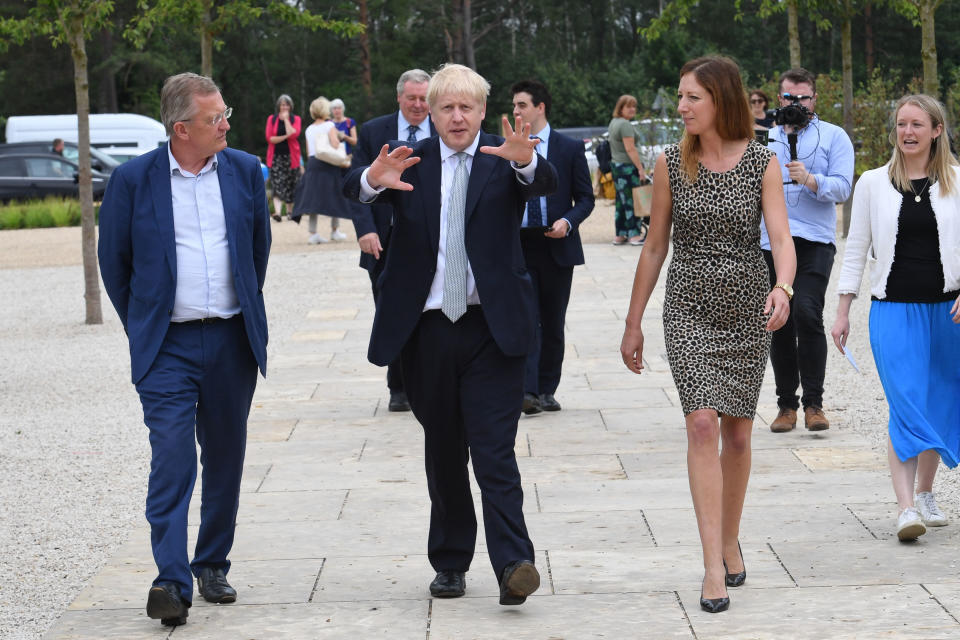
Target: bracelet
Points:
(787, 289)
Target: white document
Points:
(849, 355)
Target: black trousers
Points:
(394, 373)
(551, 286)
(466, 394)
(798, 351)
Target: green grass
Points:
(38, 214)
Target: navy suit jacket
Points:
(138, 256)
(573, 198)
(494, 210)
(375, 217)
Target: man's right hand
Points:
(387, 169)
(370, 243)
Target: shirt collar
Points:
(543, 134)
(446, 152)
(175, 168)
(403, 126)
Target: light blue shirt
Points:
(541, 149)
(204, 276)
(403, 128)
(826, 151)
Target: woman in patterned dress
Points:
(719, 309)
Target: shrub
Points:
(35, 214)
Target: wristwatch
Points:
(787, 289)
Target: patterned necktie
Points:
(454, 302)
(412, 133)
(535, 217)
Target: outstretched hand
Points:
(389, 166)
(517, 144)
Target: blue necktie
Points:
(412, 135)
(535, 215)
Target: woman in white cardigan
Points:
(906, 219)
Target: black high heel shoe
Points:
(735, 579)
(713, 605)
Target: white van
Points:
(127, 131)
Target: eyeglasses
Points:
(757, 101)
(791, 96)
(217, 119)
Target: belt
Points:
(211, 320)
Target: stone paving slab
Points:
(332, 528)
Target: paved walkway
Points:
(331, 533)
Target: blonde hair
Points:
(320, 109)
(720, 77)
(456, 79)
(624, 101)
(941, 158)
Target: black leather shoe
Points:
(531, 404)
(548, 402)
(214, 587)
(448, 584)
(519, 580)
(714, 605)
(735, 579)
(165, 603)
(398, 401)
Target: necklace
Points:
(916, 198)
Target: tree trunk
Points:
(206, 40)
(88, 234)
(469, 53)
(847, 35)
(108, 77)
(928, 47)
(868, 45)
(793, 31)
(366, 74)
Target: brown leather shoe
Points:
(814, 419)
(786, 420)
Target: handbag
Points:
(326, 153)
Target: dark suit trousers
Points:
(198, 390)
(466, 394)
(551, 286)
(798, 349)
(394, 372)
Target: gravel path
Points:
(74, 457)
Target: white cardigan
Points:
(873, 229)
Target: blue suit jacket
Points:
(573, 198)
(138, 256)
(494, 210)
(375, 217)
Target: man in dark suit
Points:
(551, 242)
(184, 240)
(373, 223)
(457, 304)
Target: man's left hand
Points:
(560, 229)
(517, 145)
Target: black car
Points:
(99, 160)
(25, 176)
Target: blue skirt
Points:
(917, 350)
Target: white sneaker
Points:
(910, 524)
(929, 511)
(336, 235)
(317, 239)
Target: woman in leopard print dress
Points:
(718, 311)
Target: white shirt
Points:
(403, 128)
(448, 165)
(315, 130)
(204, 276)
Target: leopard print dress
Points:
(717, 284)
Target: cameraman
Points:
(818, 177)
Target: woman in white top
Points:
(319, 189)
(906, 218)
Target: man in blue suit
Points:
(184, 241)
(457, 305)
(551, 242)
(373, 223)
